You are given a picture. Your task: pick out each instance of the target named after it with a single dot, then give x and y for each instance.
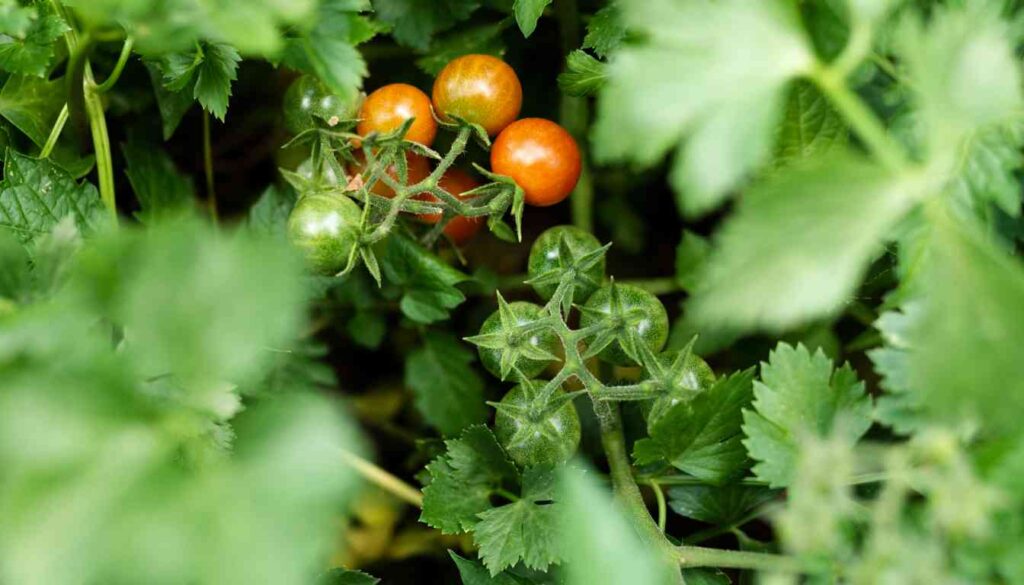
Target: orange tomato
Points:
(479, 89)
(386, 109)
(541, 157)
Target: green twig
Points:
(211, 194)
(383, 479)
(659, 496)
(122, 60)
(58, 126)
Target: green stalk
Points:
(122, 60)
(211, 194)
(574, 114)
(699, 556)
(101, 143)
(58, 126)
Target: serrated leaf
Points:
(463, 479)
(584, 75)
(990, 160)
(703, 437)
(172, 104)
(524, 530)
(480, 40)
(474, 573)
(799, 396)
(36, 195)
(32, 53)
(448, 390)
(694, 78)
(901, 406)
(810, 126)
(162, 191)
(798, 243)
(328, 50)
(416, 22)
(214, 75)
(269, 215)
(427, 283)
(605, 31)
(528, 12)
(722, 505)
(346, 577)
(32, 105)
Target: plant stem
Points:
(211, 194)
(101, 144)
(383, 479)
(699, 556)
(574, 112)
(122, 59)
(863, 121)
(659, 495)
(58, 126)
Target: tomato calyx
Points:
(538, 425)
(574, 273)
(517, 336)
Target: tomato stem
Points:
(574, 114)
(382, 479)
(58, 127)
(115, 74)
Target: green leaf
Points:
(810, 126)
(601, 547)
(703, 437)
(172, 104)
(300, 368)
(800, 396)
(901, 406)
(32, 105)
(427, 283)
(346, 577)
(528, 12)
(584, 75)
(36, 194)
(987, 174)
(798, 243)
(694, 78)
(691, 257)
(269, 215)
(474, 573)
(705, 577)
(605, 31)
(720, 506)
(484, 39)
(463, 479)
(368, 328)
(32, 52)
(416, 22)
(962, 347)
(449, 392)
(526, 530)
(219, 67)
(163, 192)
(328, 50)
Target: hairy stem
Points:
(383, 479)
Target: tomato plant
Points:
(771, 334)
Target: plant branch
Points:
(383, 479)
(122, 60)
(699, 556)
(58, 126)
(211, 194)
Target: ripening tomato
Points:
(417, 169)
(541, 157)
(324, 228)
(460, 229)
(308, 101)
(480, 89)
(386, 109)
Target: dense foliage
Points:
(512, 291)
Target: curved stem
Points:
(659, 496)
(211, 194)
(383, 479)
(699, 556)
(122, 60)
(58, 126)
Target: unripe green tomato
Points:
(697, 377)
(325, 228)
(524, 313)
(546, 255)
(307, 100)
(642, 313)
(540, 439)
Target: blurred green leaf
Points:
(703, 437)
(810, 126)
(416, 22)
(162, 191)
(605, 31)
(269, 215)
(449, 392)
(208, 70)
(584, 75)
(27, 47)
(474, 573)
(328, 50)
(987, 172)
(528, 12)
(483, 39)
(801, 396)
(346, 577)
(172, 104)
(691, 257)
(900, 407)
(36, 194)
(427, 283)
(693, 77)
(799, 242)
(32, 105)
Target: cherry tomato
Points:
(308, 100)
(696, 377)
(386, 109)
(460, 229)
(324, 228)
(417, 168)
(540, 156)
(480, 89)
(523, 314)
(535, 436)
(640, 313)
(546, 256)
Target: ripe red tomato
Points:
(417, 169)
(460, 229)
(387, 108)
(479, 89)
(541, 157)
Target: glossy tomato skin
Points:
(641, 312)
(541, 157)
(387, 108)
(546, 255)
(460, 229)
(324, 228)
(480, 89)
(524, 313)
(307, 100)
(537, 438)
(417, 168)
(696, 377)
